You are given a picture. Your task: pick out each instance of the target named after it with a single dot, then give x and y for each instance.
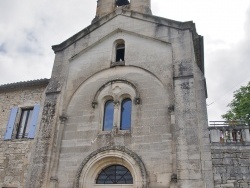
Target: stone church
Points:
(125, 107)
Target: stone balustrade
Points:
(228, 133)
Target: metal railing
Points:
(229, 132)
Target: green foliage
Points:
(239, 106)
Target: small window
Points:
(115, 174)
(120, 52)
(108, 115)
(23, 127)
(122, 2)
(126, 114)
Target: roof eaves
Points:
(25, 84)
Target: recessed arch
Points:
(106, 156)
(136, 99)
(98, 75)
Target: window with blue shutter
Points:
(26, 125)
(11, 123)
(33, 123)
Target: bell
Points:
(122, 2)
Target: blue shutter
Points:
(11, 123)
(34, 118)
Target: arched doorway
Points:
(111, 167)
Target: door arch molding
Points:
(106, 156)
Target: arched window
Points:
(115, 101)
(120, 52)
(115, 174)
(108, 115)
(126, 114)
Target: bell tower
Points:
(142, 6)
(105, 7)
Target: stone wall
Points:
(15, 153)
(231, 165)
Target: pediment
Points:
(122, 32)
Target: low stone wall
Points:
(231, 165)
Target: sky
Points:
(28, 29)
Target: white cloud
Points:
(226, 29)
(228, 69)
(29, 28)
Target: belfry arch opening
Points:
(122, 2)
(119, 50)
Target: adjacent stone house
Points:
(125, 107)
(17, 102)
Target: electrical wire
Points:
(237, 85)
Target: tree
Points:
(239, 106)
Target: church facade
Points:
(125, 107)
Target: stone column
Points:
(174, 178)
(55, 162)
(116, 115)
(246, 134)
(231, 135)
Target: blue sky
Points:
(28, 29)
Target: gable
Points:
(154, 56)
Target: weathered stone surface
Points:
(231, 169)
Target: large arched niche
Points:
(113, 74)
(106, 156)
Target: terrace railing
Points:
(229, 132)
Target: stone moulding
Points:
(137, 99)
(113, 152)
